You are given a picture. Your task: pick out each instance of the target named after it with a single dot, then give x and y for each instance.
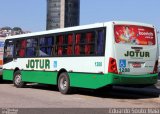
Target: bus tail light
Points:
(112, 68)
(155, 67)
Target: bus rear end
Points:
(136, 54)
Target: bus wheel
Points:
(64, 83)
(17, 81)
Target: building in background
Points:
(62, 13)
(8, 31)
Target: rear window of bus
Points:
(136, 35)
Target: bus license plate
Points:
(136, 65)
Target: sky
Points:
(31, 14)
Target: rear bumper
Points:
(134, 79)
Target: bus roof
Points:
(81, 27)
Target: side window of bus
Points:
(70, 44)
(21, 47)
(64, 45)
(9, 49)
(32, 47)
(85, 43)
(46, 46)
(100, 43)
(59, 42)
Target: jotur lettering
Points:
(38, 63)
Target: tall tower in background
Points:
(62, 13)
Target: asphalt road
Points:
(42, 96)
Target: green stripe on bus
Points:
(8, 74)
(95, 81)
(33, 76)
(39, 77)
(83, 80)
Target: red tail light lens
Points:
(112, 68)
(155, 67)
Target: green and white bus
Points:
(89, 56)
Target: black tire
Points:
(17, 81)
(64, 83)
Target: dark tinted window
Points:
(100, 43)
(78, 43)
(32, 47)
(46, 46)
(21, 47)
(8, 51)
(85, 43)
(65, 45)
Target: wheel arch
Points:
(59, 72)
(16, 69)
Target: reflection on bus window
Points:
(30, 52)
(32, 42)
(45, 51)
(9, 51)
(46, 46)
(100, 43)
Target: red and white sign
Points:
(138, 35)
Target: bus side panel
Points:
(92, 81)
(8, 74)
(39, 77)
(95, 81)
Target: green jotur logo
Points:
(38, 63)
(137, 54)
